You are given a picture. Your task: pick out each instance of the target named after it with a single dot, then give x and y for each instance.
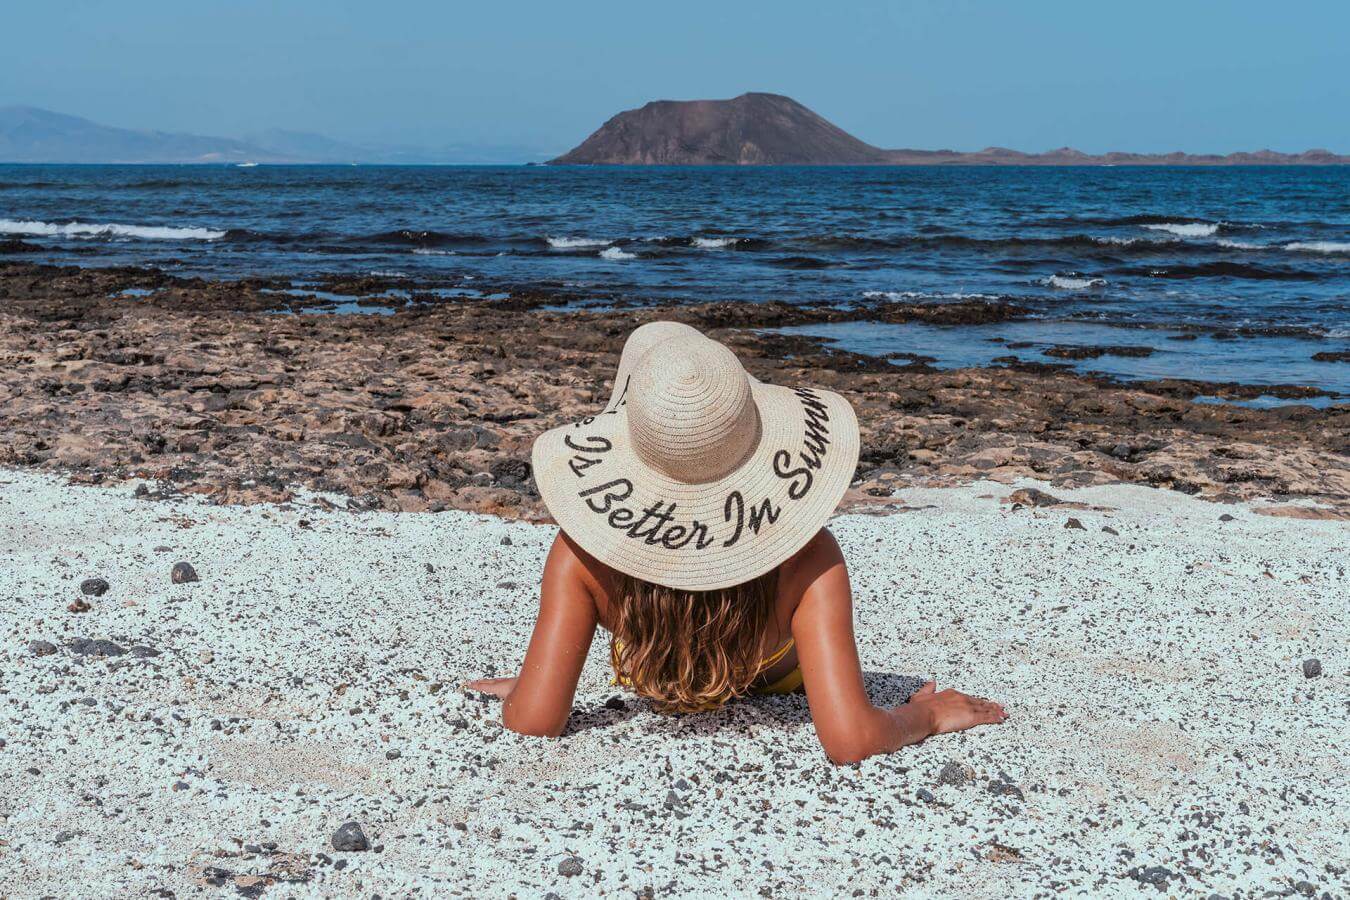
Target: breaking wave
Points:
(1186, 229)
(1319, 246)
(1072, 281)
(107, 230)
(575, 243)
(616, 253)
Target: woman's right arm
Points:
(850, 728)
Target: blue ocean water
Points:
(1257, 260)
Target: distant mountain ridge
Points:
(770, 129)
(32, 135)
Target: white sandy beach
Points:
(1163, 736)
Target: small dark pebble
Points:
(1074, 523)
(955, 773)
(507, 585)
(91, 647)
(431, 570)
(1226, 518)
(94, 587)
(615, 702)
(392, 754)
(1109, 530)
(1156, 876)
(41, 648)
(506, 540)
(1312, 668)
(925, 795)
(350, 838)
(183, 573)
(570, 867)
(140, 651)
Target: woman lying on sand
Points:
(692, 512)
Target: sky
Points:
(1193, 75)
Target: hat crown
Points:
(691, 413)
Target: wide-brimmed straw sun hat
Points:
(695, 475)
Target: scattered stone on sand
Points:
(392, 754)
(350, 838)
(1107, 529)
(41, 648)
(95, 647)
(79, 605)
(183, 573)
(506, 540)
(94, 587)
(141, 651)
(1312, 668)
(615, 702)
(206, 657)
(955, 773)
(1075, 524)
(1033, 497)
(570, 867)
(1226, 518)
(1154, 876)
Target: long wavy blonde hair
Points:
(690, 650)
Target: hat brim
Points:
(708, 535)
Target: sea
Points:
(1233, 274)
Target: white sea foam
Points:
(1319, 246)
(1073, 282)
(1188, 229)
(716, 243)
(432, 251)
(897, 296)
(573, 243)
(1241, 245)
(110, 229)
(616, 253)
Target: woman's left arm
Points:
(540, 700)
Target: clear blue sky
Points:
(1144, 75)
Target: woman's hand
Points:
(951, 710)
(497, 687)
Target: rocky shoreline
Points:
(202, 387)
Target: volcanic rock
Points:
(350, 838)
(183, 573)
(94, 587)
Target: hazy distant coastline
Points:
(32, 135)
(753, 129)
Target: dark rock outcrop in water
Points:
(770, 129)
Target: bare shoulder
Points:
(821, 553)
(809, 565)
(569, 562)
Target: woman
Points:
(692, 511)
